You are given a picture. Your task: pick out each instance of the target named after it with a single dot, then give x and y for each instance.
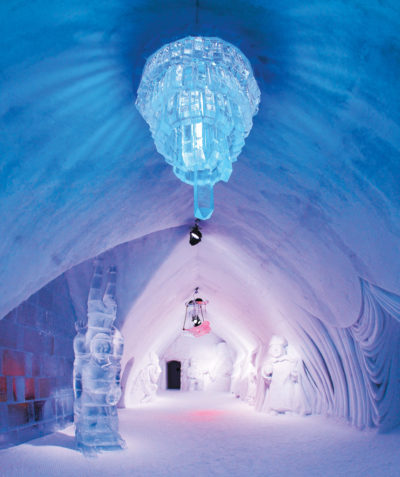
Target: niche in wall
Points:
(174, 374)
(205, 364)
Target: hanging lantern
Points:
(195, 321)
(199, 96)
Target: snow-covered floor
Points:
(198, 434)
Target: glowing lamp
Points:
(199, 96)
(195, 321)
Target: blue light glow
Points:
(199, 96)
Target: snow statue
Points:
(98, 351)
(199, 96)
(251, 372)
(197, 375)
(146, 383)
(244, 377)
(221, 372)
(284, 393)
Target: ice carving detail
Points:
(146, 384)
(97, 370)
(199, 96)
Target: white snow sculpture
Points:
(244, 377)
(146, 383)
(221, 372)
(284, 392)
(98, 352)
(197, 375)
(251, 372)
(236, 375)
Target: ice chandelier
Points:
(199, 96)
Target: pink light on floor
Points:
(205, 415)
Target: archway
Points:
(174, 375)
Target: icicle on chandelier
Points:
(199, 96)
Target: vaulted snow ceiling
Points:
(313, 202)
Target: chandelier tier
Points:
(199, 96)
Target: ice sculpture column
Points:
(97, 369)
(199, 96)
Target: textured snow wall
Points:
(354, 372)
(36, 359)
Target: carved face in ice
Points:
(113, 395)
(101, 347)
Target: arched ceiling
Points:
(313, 201)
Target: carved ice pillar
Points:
(98, 350)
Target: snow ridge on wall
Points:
(354, 372)
(377, 333)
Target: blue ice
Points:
(199, 96)
(98, 348)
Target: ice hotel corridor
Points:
(199, 237)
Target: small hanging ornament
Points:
(195, 321)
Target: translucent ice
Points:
(98, 351)
(199, 96)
